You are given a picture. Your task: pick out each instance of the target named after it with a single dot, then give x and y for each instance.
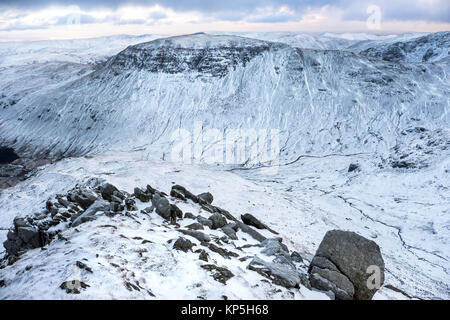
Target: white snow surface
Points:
(333, 107)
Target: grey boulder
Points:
(99, 206)
(351, 255)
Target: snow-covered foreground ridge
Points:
(333, 108)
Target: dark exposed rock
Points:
(252, 232)
(222, 251)
(83, 266)
(130, 204)
(116, 199)
(116, 207)
(200, 236)
(296, 257)
(73, 286)
(175, 211)
(107, 190)
(401, 164)
(220, 274)
(163, 56)
(351, 255)
(206, 222)
(353, 167)
(142, 195)
(250, 220)
(203, 255)
(84, 197)
(230, 230)
(189, 215)
(205, 197)
(150, 189)
(181, 193)
(63, 202)
(24, 237)
(218, 221)
(162, 206)
(195, 226)
(12, 170)
(183, 244)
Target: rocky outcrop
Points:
(24, 236)
(343, 264)
(338, 268)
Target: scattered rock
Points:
(83, 266)
(84, 197)
(205, 197)
(142, 195)
(206, 222)
(218, 221)
(203, 255)
(195, 226)
(230, 230)
(24, 237)
(253, 233)
(131, 204)
(200, 236)
(183, 194)
(274, 247)
(176, 212)
(220, 274)
(73, 286)
(183, 244)
(296, 257)
(352, 167)
(107, 190)
(250, 220)
(162, 206)
(99, 206)
(222, 251)
(189, 215)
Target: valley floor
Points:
(405, 212)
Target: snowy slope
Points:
(429, 48)
(332, 107)
(322, 101)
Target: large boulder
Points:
(352, 256)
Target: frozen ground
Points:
(333, 108)
(409, 220)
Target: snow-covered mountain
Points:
(321, 100)
(429, 48)
(337, 100)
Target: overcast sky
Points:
(66, 19)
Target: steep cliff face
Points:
(321, 100)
